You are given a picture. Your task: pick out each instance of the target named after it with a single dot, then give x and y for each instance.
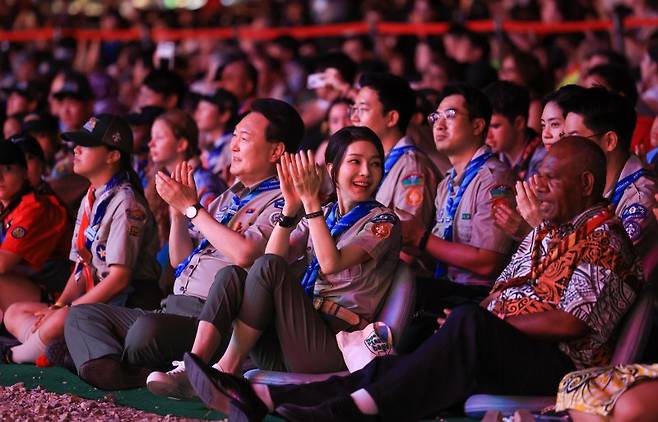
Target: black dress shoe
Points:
(341, 409)
(215, 387)
(110, 374)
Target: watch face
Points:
(191, 212)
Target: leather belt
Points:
(329, 307)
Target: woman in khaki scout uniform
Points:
(114, 231)
(351, 248)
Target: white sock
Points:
(29, 351)
(364, 402)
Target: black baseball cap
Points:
(24, 89)
(28, 144)
(223, 99)
(10, 153)
(40, 123)
(146, 116)
(76, 85)
(104, 129)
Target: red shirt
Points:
(37, 230)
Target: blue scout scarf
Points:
(393, 157)
(622, 184)
(453, 201)
(267, 185)
(337, 226)
(109, 190)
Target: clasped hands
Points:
(518, 222)
(178, 189)
(301, 178)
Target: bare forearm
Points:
(112, 285)
(180, 243)
(478, 261)
(71, 291)
(239, 249)
(279, 242)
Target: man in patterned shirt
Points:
(553, 308)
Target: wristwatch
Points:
(192, 210)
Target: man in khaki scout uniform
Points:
(608, 119)
(467, 246)
(112, 347)
(385, 104)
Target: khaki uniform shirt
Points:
(634, 208)
(125, 236)
(361, 288)
(410, 186)
(255, 221)
(474, 224)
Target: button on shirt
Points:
(474, 224)
(635, 207)
(255, 221)
(361, 288)
(410, 187)
(126, 235)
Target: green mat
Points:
(60, 380)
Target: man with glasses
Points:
(467, 248)
(385, 104)
(608, 119)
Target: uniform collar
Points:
(402, 142)
(482, 150)
(241, 190)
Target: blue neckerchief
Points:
(337, 226)
(394, 155)
(108, 192)
(452, 203)
(622, 184)
(236, 205)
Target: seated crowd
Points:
(171, 246)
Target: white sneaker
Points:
(173, 384)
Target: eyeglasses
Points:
(353, 110)
(594, 135)
(448, 114)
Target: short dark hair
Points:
(477, 104)
(611, 57)
(562, 96)
(284, 122)
(509, 99)
(167, 83)
(339, 141)
(618, 79)
(339, 61)
(250, 70)
(604, 111)
(394, 93)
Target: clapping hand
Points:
(527, 202)
(290, 196)
(509, 220)
(307, 179)
(179, 189)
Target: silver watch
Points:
(192, 210)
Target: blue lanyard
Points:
(452, 203)
(393, 157)
(621, 185)
(337, 226)
(236, 205)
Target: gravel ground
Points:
(22, 405)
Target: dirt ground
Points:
(22, 405)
